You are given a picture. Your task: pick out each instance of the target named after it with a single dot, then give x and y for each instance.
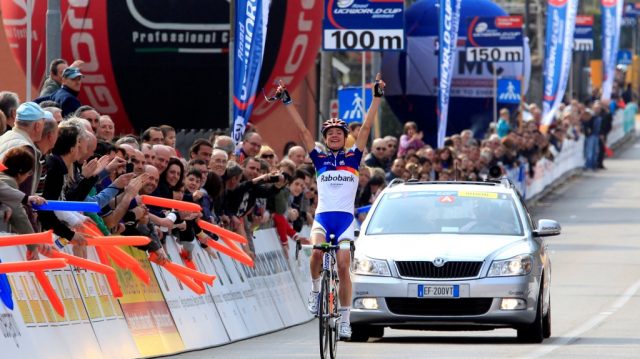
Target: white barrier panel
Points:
(195, 316)
(274, 268)
(300, 270)
(617, 128)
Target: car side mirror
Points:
(547, 228)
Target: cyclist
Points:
(337, 180)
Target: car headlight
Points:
(518, 265)
(368, 266)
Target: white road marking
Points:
(572, 335)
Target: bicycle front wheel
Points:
(324, 316)
(334, 319)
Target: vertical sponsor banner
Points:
(611, 24)
(144, 307)
(250, 34)
(583, 33)
(448, 22)
(561, 19)
(195, 316)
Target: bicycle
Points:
(327, 314)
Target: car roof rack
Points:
(504, 182)
(395, 181)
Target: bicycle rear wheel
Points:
(324, 316)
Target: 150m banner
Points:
(363, 25)
(583, 35)
(495, 39)
(561, 20)
(250, 34)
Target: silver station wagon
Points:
(452, 256)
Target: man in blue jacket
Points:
(67, 95)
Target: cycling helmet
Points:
(334, 122)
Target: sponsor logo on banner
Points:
(250, 35)
(611, 24)
(583, 33)
(561, 17)
(363, 25)
(449, 20)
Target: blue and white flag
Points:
(611, 23)
(250, 36)
(561, 20)
(448, 22)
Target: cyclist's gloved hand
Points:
(378, 86)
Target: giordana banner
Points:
(449, 20)
(611, 23)
(250, 35)
(561, 19)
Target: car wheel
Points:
(362, 333)
(534, 332)
(546, 323)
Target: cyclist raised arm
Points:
(337, 180)
(363, 135)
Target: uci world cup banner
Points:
(611, 23)
(250, 34)
(561, 20)
(448, 22)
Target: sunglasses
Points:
(267, 155)
(379, 148)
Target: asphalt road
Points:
(595, 287)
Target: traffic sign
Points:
(351, 106)
(624, 57)
(363, 25)
(333, 108)
(509, 91)
(495, 39)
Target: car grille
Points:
(439, 307)
(420, 269)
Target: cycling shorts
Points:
(340, 224)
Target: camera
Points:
(129, 167)
(273, 179)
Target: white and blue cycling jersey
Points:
(337, 182)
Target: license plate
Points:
(438, 291)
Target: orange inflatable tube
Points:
(32, 266)
(55, 301)
(124, 260)
(221, 231)
(23, 239)
(176, 268)
(118, 241)
(83, 263)
(239, 256)
(189, 282)
(170, 203)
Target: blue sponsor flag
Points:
(5, 291)
(561, 19)
(508, 91)
(448, 22)
(611, 23)
(250, 34)
(351, 108)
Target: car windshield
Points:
(460, 212)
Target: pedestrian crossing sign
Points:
(508, 91)
(351, 107)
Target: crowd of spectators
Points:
(69, 151)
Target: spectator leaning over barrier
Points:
(250, 146)
(9, 102)
(67, 95)
(27, 131)
(90, 114)
(106, 129)
(411, 139)
(153, 135)
(377, 156)
(201, 149)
